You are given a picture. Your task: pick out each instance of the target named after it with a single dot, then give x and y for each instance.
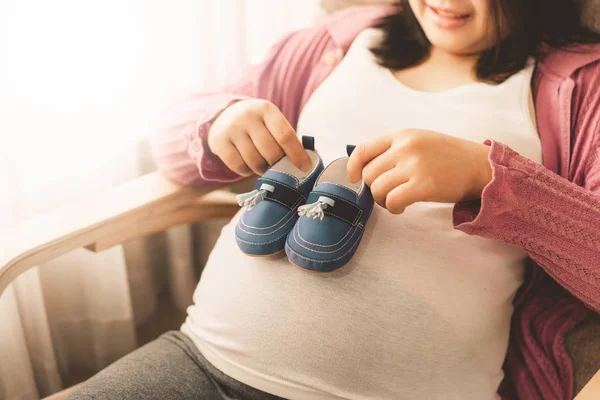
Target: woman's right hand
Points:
(253, 134)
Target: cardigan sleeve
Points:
(180, 144)
(555, 221)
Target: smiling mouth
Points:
(445, 13)
(446, 19)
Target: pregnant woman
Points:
(488, 210)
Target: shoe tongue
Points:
(282, 177)
(338, 190)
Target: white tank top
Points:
(422, 311)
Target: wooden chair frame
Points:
(136, 209)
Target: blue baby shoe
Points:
(332, 221)
(272, 207)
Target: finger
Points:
(377, 167)
(266, 145)
(251, 156)
(232, 158)
(285, 136)
(402, 196)
(385, 183)
(363, 154)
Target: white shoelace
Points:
(316, 210)
(251, 199)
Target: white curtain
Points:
(82, 84)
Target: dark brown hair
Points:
(534, 24)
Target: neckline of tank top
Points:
(458, 90)
(372, 35)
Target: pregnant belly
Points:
(360, 332)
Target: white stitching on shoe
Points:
(324, 252)
(360, 213)
(268, 234)
(289, 187)
(328, 261)
(300, 200)
(352, 192)
(268, 227)
(358, 216)
(291, 211)
(336, 196)
(285, 205)
(315, 244)
(261, 244)
(342, 186)
(279, 183)
(285, 173)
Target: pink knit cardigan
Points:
(551, 212)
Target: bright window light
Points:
(80, 81)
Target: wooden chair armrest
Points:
(138, 208)
(591, 390)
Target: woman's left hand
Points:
(417, 165)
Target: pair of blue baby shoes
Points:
(318, 216)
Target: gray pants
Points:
(169, 368)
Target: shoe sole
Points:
(265, 255)
(350, 255)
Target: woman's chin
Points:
(450, 47)
(451, 44)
